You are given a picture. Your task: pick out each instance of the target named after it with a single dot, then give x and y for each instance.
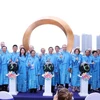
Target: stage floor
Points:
(39, 96)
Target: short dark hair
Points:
(32, 51)
(87, 50)
(57, 46)
(15, 45)
(50, 47)
(94, 51)
(24, 53)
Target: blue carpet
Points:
(39, 96)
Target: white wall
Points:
(16, 15)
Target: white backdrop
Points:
(16, 15)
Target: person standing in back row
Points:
(65, 61)
(14, 55)
(57, 73)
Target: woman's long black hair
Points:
(24, 53)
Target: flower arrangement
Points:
(48, 75)
(85, 76)
(11, 75)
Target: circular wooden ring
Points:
(54, 21)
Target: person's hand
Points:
(76, 58)
(16, 60)
(70, 70)
(10, 61)
(40, 55)
(32, 66)
(61, 56)
(48, 60)
(93, 62)
(55, 97)
(29, 64)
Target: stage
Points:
(38, 96)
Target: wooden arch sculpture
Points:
(54, 21)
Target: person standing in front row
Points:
(5, 57)
(22, 79)
(65, 61)
(33, 71)
(76, 61)
(96, 72)
(57, 73)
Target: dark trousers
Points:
(53, 89)
(41, 87)
(5, 87)
(33, 90)
(0, 87)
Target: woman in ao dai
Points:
(22, 78)
(76, 61)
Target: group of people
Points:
(66, 67)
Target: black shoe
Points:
(89, 87)
(99, 89)
(66, 86)
(53, 89)
(1, 88)
(31, 90)
(35, 90)
(95, 90)
(5, 88)
(58, 85)
(20, 92)
(41, 87)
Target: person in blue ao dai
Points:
(96, 72)
(76, 61)
(33, 72)
(57, 73)
(5, 57)
(42, 59)
(22, 78)
(65, 60)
